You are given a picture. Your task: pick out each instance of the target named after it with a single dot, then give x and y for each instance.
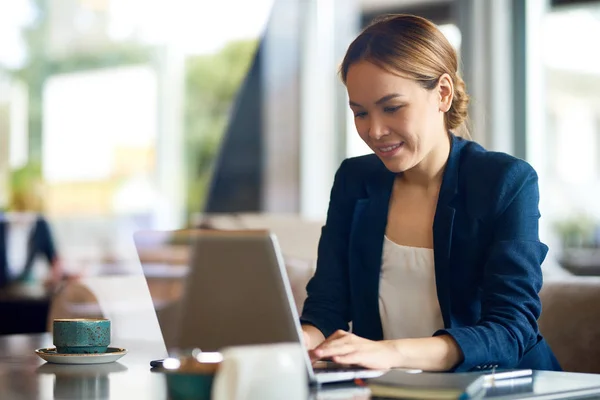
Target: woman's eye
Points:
(391, 109)
(360, 114)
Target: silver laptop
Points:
(237, 293)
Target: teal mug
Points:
(191, 378)
(81, 335)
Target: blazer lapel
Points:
(368, 230)
(442, 228)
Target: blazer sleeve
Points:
(327, 306)
(512, 279)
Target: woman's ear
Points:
(445, 90)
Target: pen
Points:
(496, 376)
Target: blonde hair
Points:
(21, 201)
(414, 48)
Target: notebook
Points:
(428, 385)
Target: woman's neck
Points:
(429, 172)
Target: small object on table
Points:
(502, 376)
(191, 377)
(508, 382)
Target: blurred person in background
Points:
(430, 247)
(25, 237)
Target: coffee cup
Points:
(265, 372)
(191, 377)
(81, 335)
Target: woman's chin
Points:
(396, 166)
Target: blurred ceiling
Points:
(378, 5)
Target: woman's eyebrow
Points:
(385, 98)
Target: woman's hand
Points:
(346, 348)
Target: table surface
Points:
(24, 376)
(34, 291)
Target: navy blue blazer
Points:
(486, 249)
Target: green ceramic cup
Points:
(81, 335)
(192, 377)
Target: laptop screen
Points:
(230, 289)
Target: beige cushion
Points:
(299, 273)
(73, 300)
(298, 237)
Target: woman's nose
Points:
(377, 129)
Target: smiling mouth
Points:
(390, 148)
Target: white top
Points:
(408, 302)
(19, 228)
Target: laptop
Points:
(237, 293)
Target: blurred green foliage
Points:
(21, 178)
(25, 188)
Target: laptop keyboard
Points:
(329, 366)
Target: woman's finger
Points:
(339, 334)
(353, 358)
(313, 357)
(333, 351)
(332, 343)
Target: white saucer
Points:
(112, 354)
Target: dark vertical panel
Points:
(237, 176)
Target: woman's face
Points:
(396, 117)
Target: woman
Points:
(431, 245)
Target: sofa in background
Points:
(570, 321)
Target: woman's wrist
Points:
(398, 358)
(454, 354)
(312, 336)
(439, 353)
